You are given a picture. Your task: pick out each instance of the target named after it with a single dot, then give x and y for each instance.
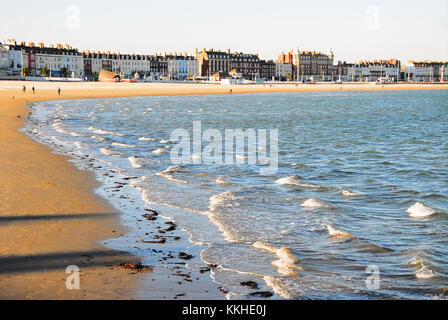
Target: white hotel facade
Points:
(426, 71)
(367, 71)
(35, 57)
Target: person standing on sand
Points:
(24, 89)
(33, 89)
(59, 91)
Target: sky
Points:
(354, 29)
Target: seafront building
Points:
(376, 70)
(340, 71)
(283, 71)
(182, 66)
(267, 70)
(63, 61)
(309, 65)
(128, 65)
(159, 67)
(5, 67)
(211, 62)
(38, 60)
(426, 71)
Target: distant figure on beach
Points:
(24, 89)
(33, 89)
(59, 91)
(230, 91)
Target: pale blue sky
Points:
(355, 29)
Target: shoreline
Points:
(52, 216)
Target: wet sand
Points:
(51, 218)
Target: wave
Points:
(57, 126)
(220, 199)
(419, 210)
(315, 203)
(174, 169)
(146, 139)
(286, 263)
(423, 270)
(106, 151)
(278, 287)
(136, 162)
(159, 151)
(81, 145)
(349, 193)
(98, 138)
(123, 145)
(170, 177)
(222, 181)
(296, 180)
(101, 131)
(77, 134)
(335, 233)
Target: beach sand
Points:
(51, 218)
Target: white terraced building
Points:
(283, 70)
(366, 71)
(126, 64)
(182, 66)
(61, 61)
(426, 71)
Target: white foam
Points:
(98, 138)
(173, 169)
(315, 203)
(170, 177)
(295, 180)
(278, 287)
(123, 145)
(146, 139)
(286, 262)
(164, 141)
(419, 210)
(337, 233)
(159, 151)
(81, 145)
(106, 151)
(222, 181)
(76, 134)
(101, 131)
(348, 193)
(136, 162)
(57, 126)
(423, 271)
(219, 199)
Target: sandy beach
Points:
(51, 218)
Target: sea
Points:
(356, 208)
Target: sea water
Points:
(362, 181)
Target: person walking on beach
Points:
(33, 89)
(24, 89)
(59, 91)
